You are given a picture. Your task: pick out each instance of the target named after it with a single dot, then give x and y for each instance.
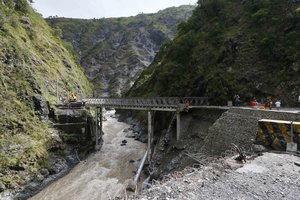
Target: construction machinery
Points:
(72, 101)
(72, 97)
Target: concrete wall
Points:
(77, 126)
(239, 126)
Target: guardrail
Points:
(157, 102)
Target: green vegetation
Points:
(32, 59)
(227, 47)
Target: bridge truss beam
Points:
(170, 104)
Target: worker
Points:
(270, 104)
(253, 103)
(263, 107)
(277, 104)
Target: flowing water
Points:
(102, 175)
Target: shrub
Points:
(22, 6)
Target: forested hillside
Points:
(33, 63)
(227, 47)
(114, 51)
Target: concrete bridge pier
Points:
(150, 133)
(178, 127)
(99, 115)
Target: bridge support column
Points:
(178, 125)
(150, 134)
(99, 114)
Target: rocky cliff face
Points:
(115, 51)
(33, 62)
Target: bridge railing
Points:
(163, 102)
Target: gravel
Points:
(271, 176)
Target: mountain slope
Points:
(228, 47)
(33, 62)
(114, 51)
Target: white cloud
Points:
(103, 8)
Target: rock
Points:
(36, 60)
(2, 187)
(33, 186)
(122, 144)
(26, 22)
(136, 129)
(259, 148)
(39, 178)
(40, 107)
(179, 145)
(233, 164)
(124, 141)
(66, 63)
(55, 136)
(72, 159)
(34, 85)
(130, 135)
(131, 161)
(115, 116)
(44, 172)
(126, 130)
(142, 138)
(3, 114)
(130, 185)
(58, 166)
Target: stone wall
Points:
(239, 126)
(77, 125)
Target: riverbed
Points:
(103, 174)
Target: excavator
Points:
(73, 100)
(72, 97)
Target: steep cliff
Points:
(115, 51)
(228, 47)
(33, 63)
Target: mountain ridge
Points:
(114, 51)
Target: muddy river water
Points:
(102, 175)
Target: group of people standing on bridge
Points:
(265, 102)
(268, 103)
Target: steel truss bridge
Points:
(171, 104)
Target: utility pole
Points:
(57, 96)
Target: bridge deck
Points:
(158, 103)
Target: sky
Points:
(88, 9)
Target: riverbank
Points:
(102, 175)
